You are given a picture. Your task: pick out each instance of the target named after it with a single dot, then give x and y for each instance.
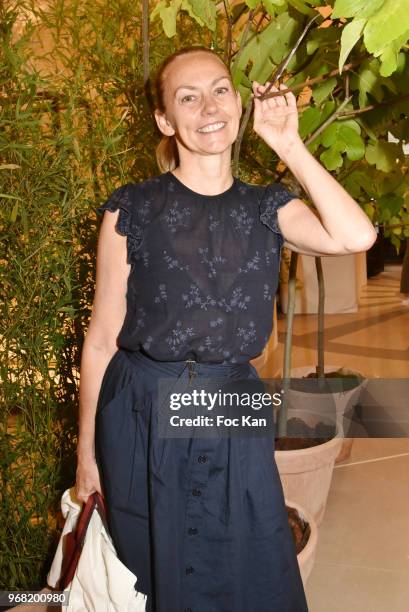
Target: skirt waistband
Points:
(194, 367)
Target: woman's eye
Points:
(221, 89)
(187, 98)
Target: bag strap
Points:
(74, 540)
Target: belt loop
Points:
(191, 369)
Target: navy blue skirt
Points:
(201, 522)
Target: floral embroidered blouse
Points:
(204, 268)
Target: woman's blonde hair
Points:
(167, 155)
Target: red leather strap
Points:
(74, 540)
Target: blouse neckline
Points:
(184, 187)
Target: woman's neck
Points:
(208, 176)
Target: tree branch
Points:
(308, 82)
(370, 107)
(281, 67)
(244, 36)
(145, 39)
(276, 75)
(227, 49)
(145, 55)
(337, 113)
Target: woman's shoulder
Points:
(133, 194)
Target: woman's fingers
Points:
(272, 102)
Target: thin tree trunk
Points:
(404, 279)
(292, 279)
(321, 309)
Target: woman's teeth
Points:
(211, 128)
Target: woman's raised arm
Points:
(343, 226)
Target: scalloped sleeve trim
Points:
(274, 196)
(127, 223)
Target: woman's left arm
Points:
(343, 226)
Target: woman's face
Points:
(202, 107)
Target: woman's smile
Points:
(212, 127)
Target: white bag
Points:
(101, 583)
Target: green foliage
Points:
(384, 24)
(341, 137)
(202, 11)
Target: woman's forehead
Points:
(196, 68)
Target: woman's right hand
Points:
(87, 478)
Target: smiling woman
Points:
(200, 110)
(187, 271)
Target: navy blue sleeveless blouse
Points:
(204, 268)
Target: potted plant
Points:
(305, 535)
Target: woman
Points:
(187, 267)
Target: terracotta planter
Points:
(306, 557)
(306, 473)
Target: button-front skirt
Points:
(201, 522)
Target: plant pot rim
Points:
(329, 368)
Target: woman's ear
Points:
(163, 124)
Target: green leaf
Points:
(341, 137)
(396, 242)
(309, 121)
(324, 38)
(268, 48)
(332, 159)
(301, 6)
(205, 12)
(350, 8)
(271, 5)
(313, 146)
(353, 143)
(322, 91)
(329, 135)
(366, 183)
(371, 82)
(252, 3)
(382, 155)
(392, 202)
(10, 197)
(386, 25)
(390, 55)
(369, 210)
(14, 212)
(187, 6)
(350, 35)
(354, 125)
(168, 15)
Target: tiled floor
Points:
(362, 561)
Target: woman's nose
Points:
(209, 105)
